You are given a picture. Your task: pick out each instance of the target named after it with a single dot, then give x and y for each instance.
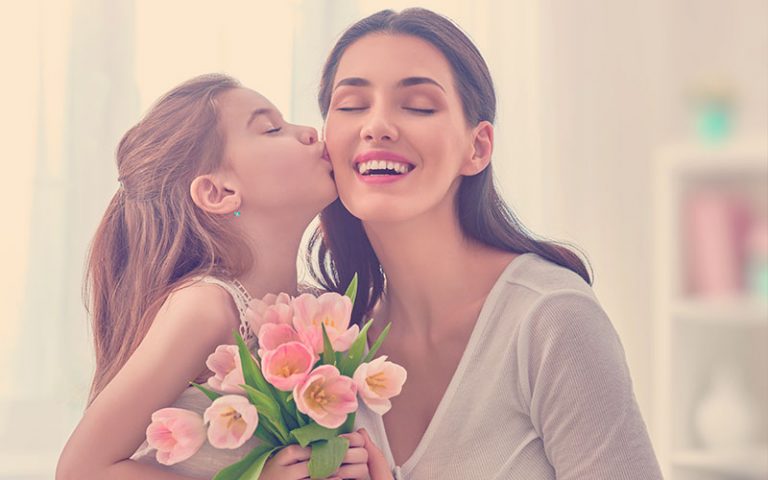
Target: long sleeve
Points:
(575, 381)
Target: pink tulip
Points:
(272, 335)
(177, 434)
(227, 369)
(287, 365)
(232, 420)
(270, 309)
(378, 381)
(326, 396)
(332, 310)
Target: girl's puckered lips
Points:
(326, 156)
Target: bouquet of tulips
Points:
(300, 387)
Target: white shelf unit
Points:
(693, 335)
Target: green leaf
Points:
(268, 409)
(377, 344)
(312, 433)
(327, 456)
(352, 360)
(352, 289)
(254, 471)
(349, 424)
(329, 356)
(301, 418)
(236, 470)
(208, 393)
(288, 409)
(251, 371)
(263, 433)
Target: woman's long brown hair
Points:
(152, 237)
(340, 243)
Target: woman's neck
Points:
(435, 275)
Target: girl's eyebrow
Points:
(406, 82)
(256, 113)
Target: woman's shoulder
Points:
(310, 289)
(531, 277)
(532, 286)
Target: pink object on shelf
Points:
(715, 224)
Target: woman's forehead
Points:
(389, 58)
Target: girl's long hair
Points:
(340, 243)
(152, 237)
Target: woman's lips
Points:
(381, 166)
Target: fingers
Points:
(355, 439)
(297, 471)
(357, 471)
(356, 455)
(292, 454)
(377, 464)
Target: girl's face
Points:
(395, 129)
(278, 166)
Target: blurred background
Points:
(638, 131)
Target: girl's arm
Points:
(192, 322)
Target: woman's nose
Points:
(378, 128)
(308, 135)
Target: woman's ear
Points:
(482, 149)
(211, 195)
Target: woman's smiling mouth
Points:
(381, 166)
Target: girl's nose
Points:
(308, 135)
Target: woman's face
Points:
(395, 129)
(277, 166)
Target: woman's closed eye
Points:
(424, 111)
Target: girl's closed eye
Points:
(273, 130)
(351, 108)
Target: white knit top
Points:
(542, 391)
(208, 460)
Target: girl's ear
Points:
(482, 148)
(211, 195)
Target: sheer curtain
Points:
(83, 73)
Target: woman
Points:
(514, 369)
(216, 192)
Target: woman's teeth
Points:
(383, 167)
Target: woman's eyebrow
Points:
(406, 82)
(352, 82)
(411, 81)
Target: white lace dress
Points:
(208, 460)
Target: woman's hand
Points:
(377, 464)
(290, 463)
(355, 463)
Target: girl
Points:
(216, 191)
(514, 369)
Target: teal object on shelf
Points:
(713, 122)
(757, 279)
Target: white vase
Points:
(727, 417)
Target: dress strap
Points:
(241, 298)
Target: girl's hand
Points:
(377, 464)
(355, 463)
(290, 463)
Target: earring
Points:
(237, 213)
